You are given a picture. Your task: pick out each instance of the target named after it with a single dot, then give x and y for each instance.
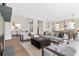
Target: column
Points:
(35, 24)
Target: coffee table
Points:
(40, 43)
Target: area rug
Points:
(9, 51)
(32, 50)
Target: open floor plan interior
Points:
(39, 29)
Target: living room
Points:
(40, 29)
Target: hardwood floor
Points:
(19, 50)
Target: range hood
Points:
(6, 12)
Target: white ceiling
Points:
(46, 11)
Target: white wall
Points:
(20, 20)
(7, 35)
